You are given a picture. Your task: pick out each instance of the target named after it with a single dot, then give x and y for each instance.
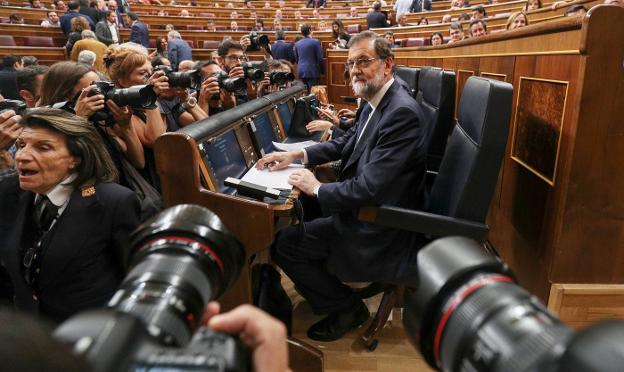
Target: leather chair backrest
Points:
(410, 75)
(38, 41)
(353, 29)
(414, 42)
(7, 40)
(436, 95)
(469, 170)
(210, 44)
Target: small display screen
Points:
(224, 155)
(265, 133)
(285, 116)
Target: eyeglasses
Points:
(360, 63)
(236, 58)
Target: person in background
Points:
(457, 32)
(106, 29)
(113, 7)
(389, 36)
(59, 5)
(16, 19)
(88, 11)
(178, 50)
(577, 10)
(402, 7)
(89, 42)
(478, 13)
(8, 76)
(517, 20)
(78, 25)
(436, 39)
(419, 6)
(376, 19)
(231, 58)
(169, 27)
(234, 26)
(139, 33)
(65, 221)
(36, 4)
(88, 58)
(309, 57)
(340, 36)
(533, 5)
(353, 12)
(186, 65)
(478, 28)
(66, 19)
(403, 21)
(29, 61)
(282, 49)
(29, 83)
(53, 20)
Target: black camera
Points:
(137, 97)
(12, 104)
(230, 84)
(254, 71)
(256, 42)
(280, 77)
(467, 314)
(184, 257)
(187, 79)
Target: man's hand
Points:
(237, 72)
(328, 115)
(278, 160)
(319, 125)
(9, 129)
(263, 334)
(304, 180)
(346, 113)
(209, 89)
(245, 42)
(87, 106)
(262, 85)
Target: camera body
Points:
(137, 97)
(183, 258)
(230, 84)
(280, 77)
(12, 104)
(254, 70)
(256, 42)
(187, 79)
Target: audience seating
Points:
(7, 40)
(353, 29)
(195, 27)
(414, 42)
(39, 41)
(210, 44)
(436, 95)
(463, 189)
(410, 76)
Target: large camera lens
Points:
(186, 79)
(230, 84)
(280, 77)
(138, 96)
(468, 315)
(184, 258)
(11, 104)
(254, 70)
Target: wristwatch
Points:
(190, 103)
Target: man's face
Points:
(61, 5)
(233, 58)
(456, 34)
(389, 39)
(127, 20)
(112, 6)
(477, 30)
(111, 17)
(53, 17)
(234, 26)
(210, 27)
(368, 72)
(476, 15)
(36, 4)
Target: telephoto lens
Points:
(280, 77)
(254, 70)
(230, 84)
(11, 104)
(468, 314)
(184, 258)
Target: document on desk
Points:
(274, 179)
(293, 146)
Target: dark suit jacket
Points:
(376, 20)
(140, 34)
(8, 84)
(386, 167)
(66, 21)
(179, 51)
(83, 259)
(103, 33)
(309, 56)
(315, 4)
(420, 5)
(283, 50)
(91, 12)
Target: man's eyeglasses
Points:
(236, 58)
(360, 63)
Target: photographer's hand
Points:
(122, 115)
(159, 82)
(87, 106)
(9, 129)
(263, 334)
(262, 87)
(328, 115)
(245, 41)
(237, 72)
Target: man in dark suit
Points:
(382, 162)
(281, 49)
(106, 30)
(309, 57)
(88, 11)
(420, 6)
(8, 76)
(139, 33)
(179, 50)
(315, 4)
(72, 13)
(376, 19)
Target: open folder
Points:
(273, 179)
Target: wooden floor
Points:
(394, 353)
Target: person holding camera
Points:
(64, 222)
(231, 57)
(213, 98)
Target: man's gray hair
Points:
(174, 35)
(87, 57)
(134, 46)
(88, 34)
(382, 46)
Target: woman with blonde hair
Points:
(78, 24)
(517, 20)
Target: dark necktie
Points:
(45, 213)
(363, 119)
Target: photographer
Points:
(266, 86)
(64, 81)
(231, 57)
(9, 131)
(213, 99)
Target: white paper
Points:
(293, 146)
(274, 179)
